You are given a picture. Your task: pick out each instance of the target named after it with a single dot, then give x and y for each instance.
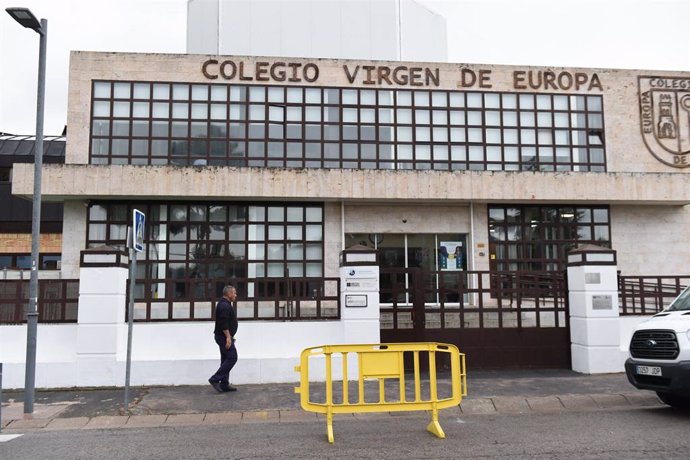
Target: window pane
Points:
(142, 91)
(440, 134)
(314, 214)
(594, 103)
(276, 252)
(422, 117)
(367, 115)
(350, 115)
(101, 89)
(314, 252)
(404, 116)
(313, 270)
(457, 99)
(161, 91)
(457, 118)
(276, 270)
(601, 233)
(403, 98)
(600, 215)
(121, 109)
(257, 112)
(474, 100)
(140, 110)
(219, 93)
(543, 102)
(161, 110)
(101, 109)
(560, 102)
(421, 98)
(295, 251)
(404, 134)
(422, 134)
(367, 97)
(544, 119)
(492, 100)
(180, 92)
(180, 110)
(526, 101)
(294, 95)
(199, 92)
(349, 96)
(200, 111)
(474, 118)
(257, 94)
(121, 90)
(439, 99)
(294, 214)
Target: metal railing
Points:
(647, 295)
(452, 299)
(474, 299)
(194, 299)
(58, 301)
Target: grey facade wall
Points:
(650, 216)
(651, 240)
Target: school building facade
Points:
(259, 171)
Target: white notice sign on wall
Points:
(355, 301)
(602, 302)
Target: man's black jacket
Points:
(225, 317)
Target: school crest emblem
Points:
(665, 118)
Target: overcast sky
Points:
(637, 34)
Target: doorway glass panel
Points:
(427, 251)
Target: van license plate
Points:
(649, 370)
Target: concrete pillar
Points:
(594, 317)
(359, 291)
(102, 303)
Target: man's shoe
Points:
(216, 386)
(227, 388)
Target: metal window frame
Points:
(322, 161)
(522, 261)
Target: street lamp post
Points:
(25, 17)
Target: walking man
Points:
(224, 333)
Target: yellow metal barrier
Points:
(381, 362)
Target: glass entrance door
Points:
(429, 252)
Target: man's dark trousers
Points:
(228, 358)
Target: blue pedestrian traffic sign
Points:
(138, 219)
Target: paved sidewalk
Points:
(489, 393)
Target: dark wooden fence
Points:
(194, 299)
(474, 299)
(647, 295)
(57, 301)
(319, 298)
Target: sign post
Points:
(135, 243)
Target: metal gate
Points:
(498, 319)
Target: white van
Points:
(660, 353)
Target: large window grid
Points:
(209, 241)
(315, 127)
(536, 238)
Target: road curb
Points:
(498, 405)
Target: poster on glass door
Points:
(450, 255)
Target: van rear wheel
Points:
(673, 400)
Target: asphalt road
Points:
(640, 433)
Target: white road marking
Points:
(8, 437)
